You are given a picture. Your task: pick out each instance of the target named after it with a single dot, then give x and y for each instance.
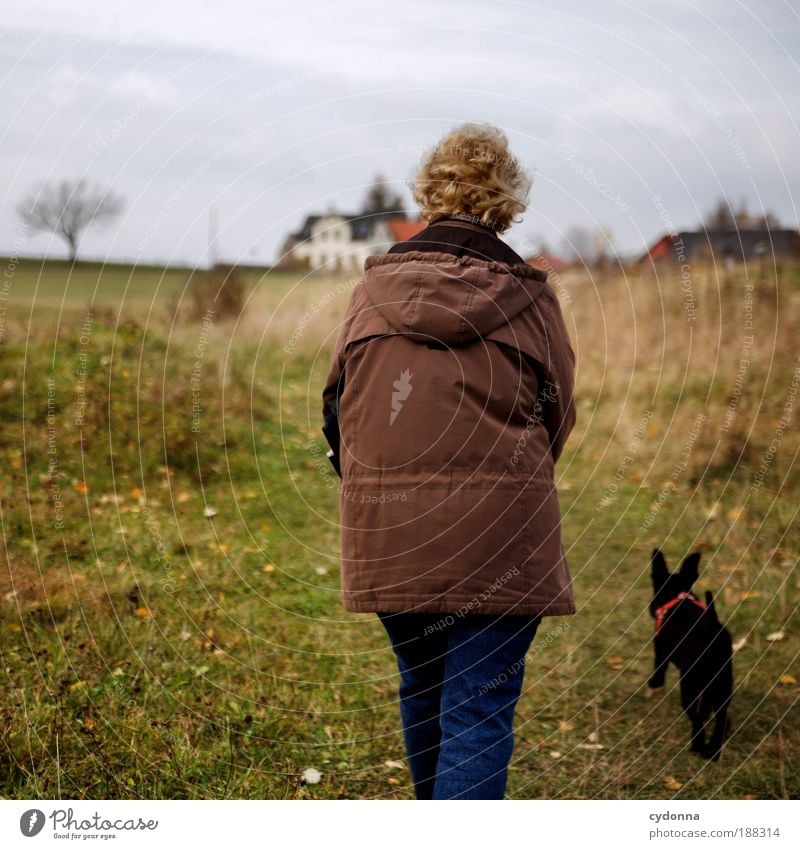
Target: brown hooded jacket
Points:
(453, 380)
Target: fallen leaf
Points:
(740, 643)
(592, 746)
(210, 512)
(320, 570)
(554, 754)
(312, 776)
(393, 780)
(788, 680)
(393, 764)
(672, 784)
(615, 660)
(143, 612)
(78, 685)
(82, 487)
(565, 726)
(593, 737)
(268, 567)
(775, 637)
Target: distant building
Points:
(725, 246)
(337, 242)
(547, 262)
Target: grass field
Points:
(169, 616)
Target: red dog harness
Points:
(662, 611)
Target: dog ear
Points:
(689, 569)
(660, 570)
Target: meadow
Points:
(170, 625)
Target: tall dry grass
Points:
(707, 360)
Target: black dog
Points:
(689, 634)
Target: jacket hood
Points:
(437, 296)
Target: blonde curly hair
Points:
(472, 174)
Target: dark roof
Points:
(738, 244)
(361, 226)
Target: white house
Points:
(337, 242)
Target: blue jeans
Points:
(460, 679)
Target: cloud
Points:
(268, 114)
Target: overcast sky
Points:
(268, 111)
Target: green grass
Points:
(151, 651)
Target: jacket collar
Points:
(469, 221)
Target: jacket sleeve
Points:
(332, 391)
(334, 382)
(559, 393)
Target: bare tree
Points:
(603, 243)
(68, 208)
(767, 221)
(724, 217)
(578, 244)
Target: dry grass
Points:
(250, 671)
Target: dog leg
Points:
(690, 701)
(661, 660)
(717, 739)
